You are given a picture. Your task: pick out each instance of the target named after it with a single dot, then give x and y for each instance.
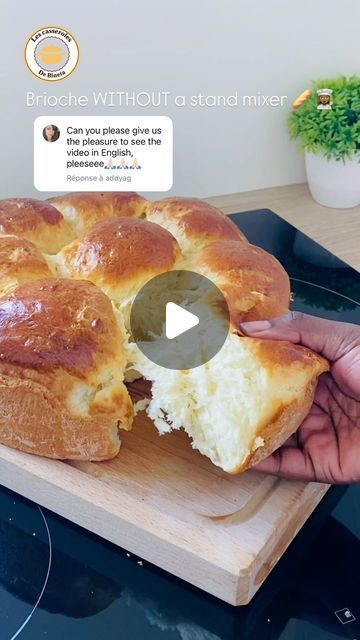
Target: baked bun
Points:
(193, 222)
(84, 209)
(253, 282)
(20, 261)
(36, 221)
(120, 256)
(61, 371)
(242, 405)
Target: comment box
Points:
(103, 153)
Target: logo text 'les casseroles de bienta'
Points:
(51, 53)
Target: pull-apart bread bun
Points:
(193, 223)
(66, 344)
(35, 220)
(120, 256)
(84, 209)
(20, 261)
(254, 283)
(61, 371)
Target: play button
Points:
(179, 320)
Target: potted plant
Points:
(328, 129)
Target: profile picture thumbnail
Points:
(51, 133)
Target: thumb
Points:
(329, 338)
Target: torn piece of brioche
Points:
(241, 405)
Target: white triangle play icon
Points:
(178, 320)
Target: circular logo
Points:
(51, 53)
(179, 320)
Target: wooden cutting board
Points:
(164, 502)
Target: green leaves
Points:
(334, 133)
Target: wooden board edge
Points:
(261, 566)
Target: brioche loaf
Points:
(69, 270)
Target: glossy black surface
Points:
(323, 284)
(96, 591)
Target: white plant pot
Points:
(333, 183)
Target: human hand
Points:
(326, 447)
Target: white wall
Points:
(185, 46)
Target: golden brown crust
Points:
(253, 282)
(282, 427)
(56, 323)
(85, 209)
(121, 251)
(281, 353)
(36, 420)
(20, 261)
(61, 364)
(36, 221)
(272, 354)
(198, 220)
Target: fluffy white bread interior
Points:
(226, 405)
